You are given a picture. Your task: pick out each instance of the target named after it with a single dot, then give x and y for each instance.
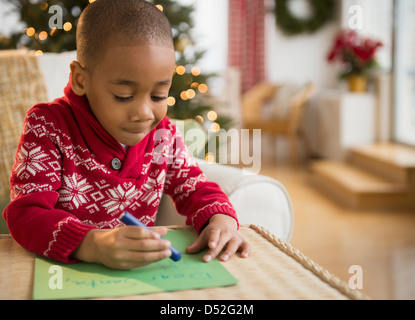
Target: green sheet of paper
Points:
(54, 280)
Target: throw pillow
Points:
(282, 100)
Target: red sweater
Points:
(70, 176)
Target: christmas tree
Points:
(51, 27)
(189, 89)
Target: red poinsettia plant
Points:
(356, 53)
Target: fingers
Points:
(196, 246)
(142, 246)
(245, 249)
(138, 233)
(131, 247)
(233, 247)
(133, 259)
(161, 231)
(217, 240)
(215, 244)
(141, 239)
(206, 239)
(214, 238)
(230, 244)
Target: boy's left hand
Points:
(220, 233)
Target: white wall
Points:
(298, 58)
(301, 57)
(9, 19)
(211, 32)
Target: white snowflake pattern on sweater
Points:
(119, 198)
(30, 160)
(74, 191)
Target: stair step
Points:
(358, 188)
(391, 161)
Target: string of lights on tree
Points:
(189, 95)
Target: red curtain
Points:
(246, 37)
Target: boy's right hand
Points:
(124, 248)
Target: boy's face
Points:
(128, 90)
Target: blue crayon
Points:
(128, 219)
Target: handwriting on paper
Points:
(86, 280)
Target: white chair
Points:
(257, 199)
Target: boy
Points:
(107, 146)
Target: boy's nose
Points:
(141, 112)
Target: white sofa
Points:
(258, 199)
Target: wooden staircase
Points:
(381, 176)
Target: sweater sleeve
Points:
(35, 180)
(194, 196)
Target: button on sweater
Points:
(65, 180)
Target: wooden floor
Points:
(382, 243)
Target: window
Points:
(372, 18)
(404, 72)
(392, 22)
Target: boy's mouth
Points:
(139, 129)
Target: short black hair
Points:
(120, 22)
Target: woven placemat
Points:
(274, 271)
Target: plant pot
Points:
(357, 83)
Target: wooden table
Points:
(274, 271)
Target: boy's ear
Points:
(78, 77)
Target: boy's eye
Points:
(128, 99)
(158, 99)
(123, 99)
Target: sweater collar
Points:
(104, 147)
(87, 120)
